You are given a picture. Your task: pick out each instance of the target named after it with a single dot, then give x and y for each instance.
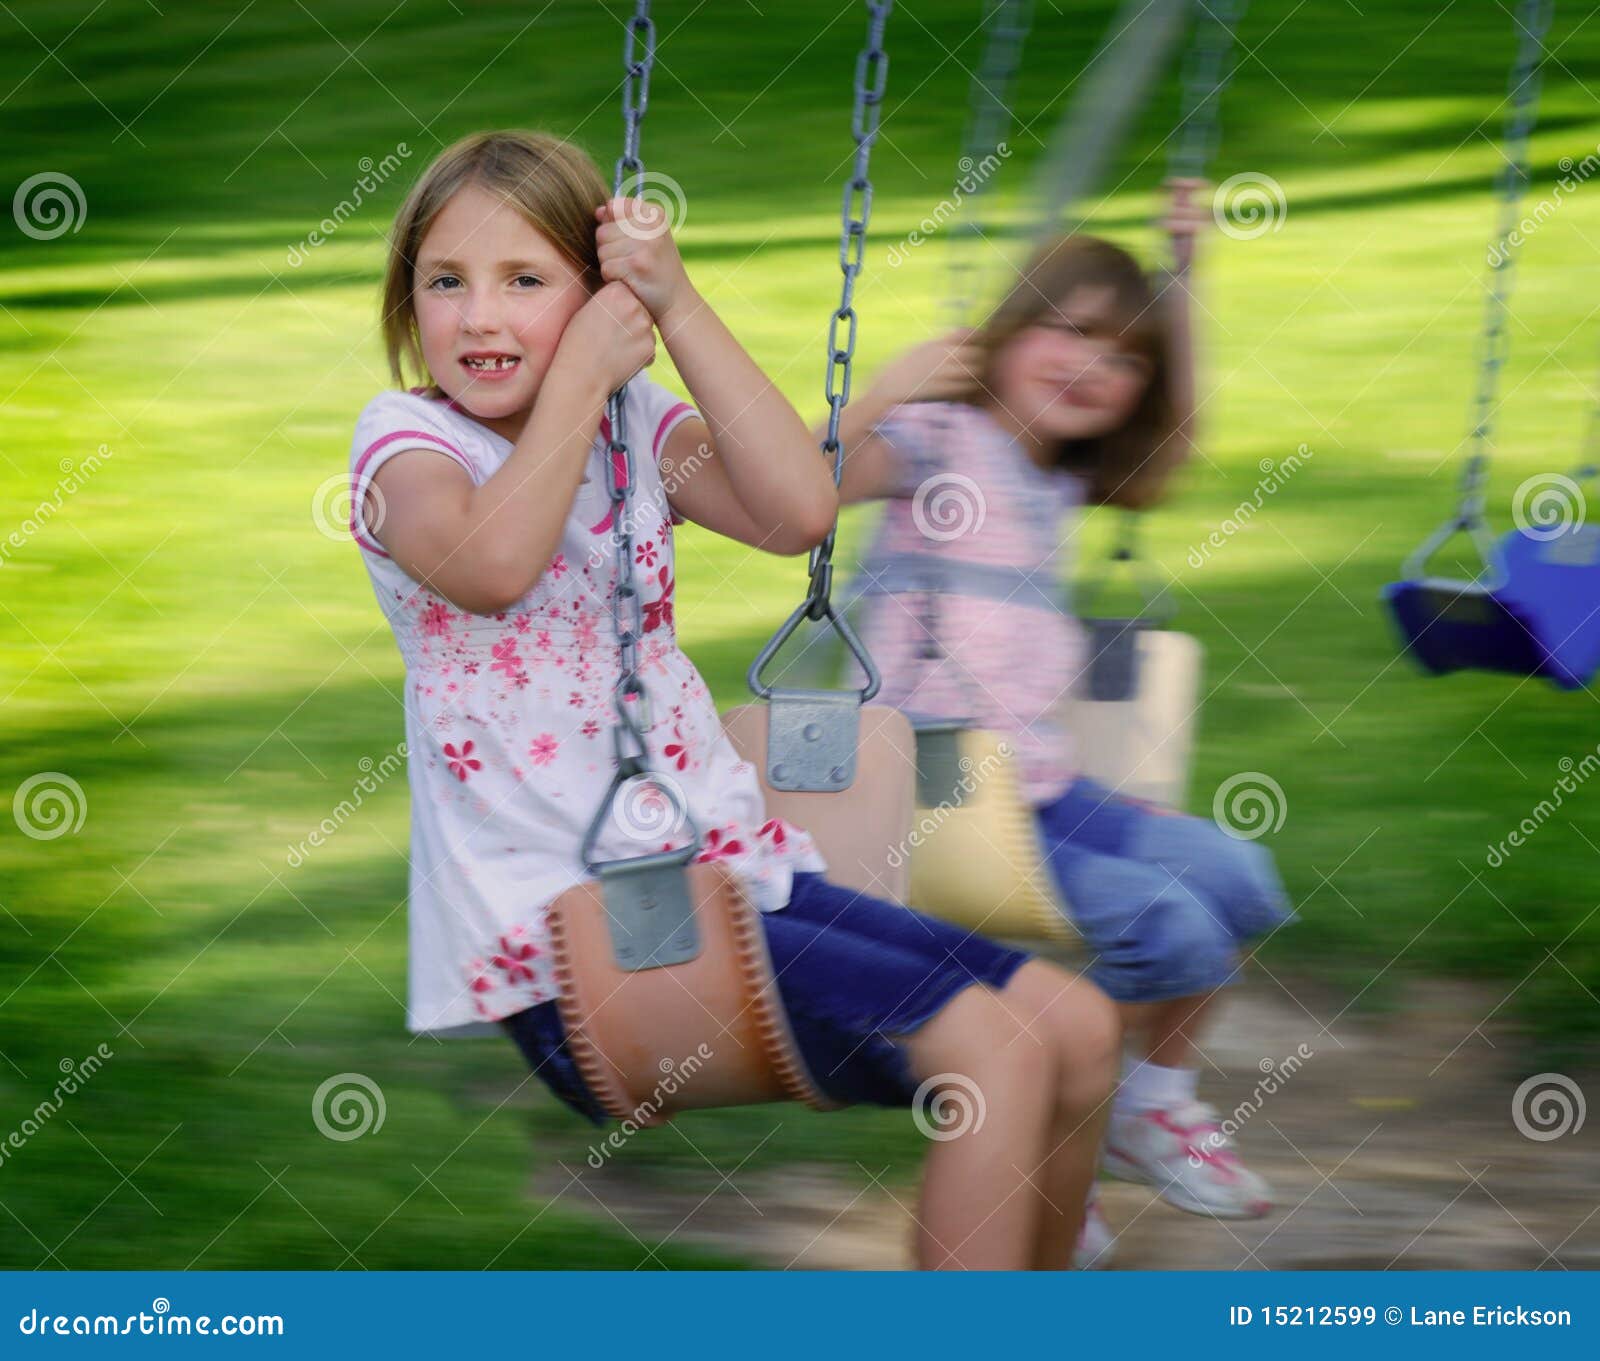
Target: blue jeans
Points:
(1162, 899)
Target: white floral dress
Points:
(508, 724)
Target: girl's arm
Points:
(936, 370)
(483, 547)
(1184, 221)
(748, 468)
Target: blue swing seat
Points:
(1553, 584)
(1535, 613)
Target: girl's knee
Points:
(1084, 1026)
(980, 1036)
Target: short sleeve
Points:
(392, 423)
(908, 432)
(661, 412)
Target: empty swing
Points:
(1533, 607)
(977, 857)
(654, 954)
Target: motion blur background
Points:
(195, 674)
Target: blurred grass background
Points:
(183, 642)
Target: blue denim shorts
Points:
(1162, 899)
(855, 973)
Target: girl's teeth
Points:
(503, 362)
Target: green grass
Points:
(182, 641)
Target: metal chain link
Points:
(1494, 342)
(871, 78)
(988, 121)
(626, 610)
(1207, 69)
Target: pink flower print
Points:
(542, 750)
(436, 620)
(513, 957)
(658, 613)
(505, 657)
(677, 751)
(470, 667)
(520, 680)
(645, 554)
(719, 845)
(575, 699)
(772, 829)
(523, 622)
(542, 642)
(462, 761)
(558, 567)
(586, 635)
(590, 728)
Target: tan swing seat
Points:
(1141, 746)
(861, 831)
(977, 860)
(717, 1033)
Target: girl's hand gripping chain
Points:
(637, 249)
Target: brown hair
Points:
(1130, 466)
(552, 183)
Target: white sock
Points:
(1148, 1086)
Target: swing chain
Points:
(1207, 69)
(1494, 344)
(1008, 23)
(629, 698)
(871, 79)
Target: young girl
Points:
(1076, 390)
(525, 295)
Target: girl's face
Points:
(492, 297)
(1069, 375)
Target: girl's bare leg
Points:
(978, 1208)
(1167, 1031)
(1081, 1023)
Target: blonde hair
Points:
(552, 183)
(1128, 467)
